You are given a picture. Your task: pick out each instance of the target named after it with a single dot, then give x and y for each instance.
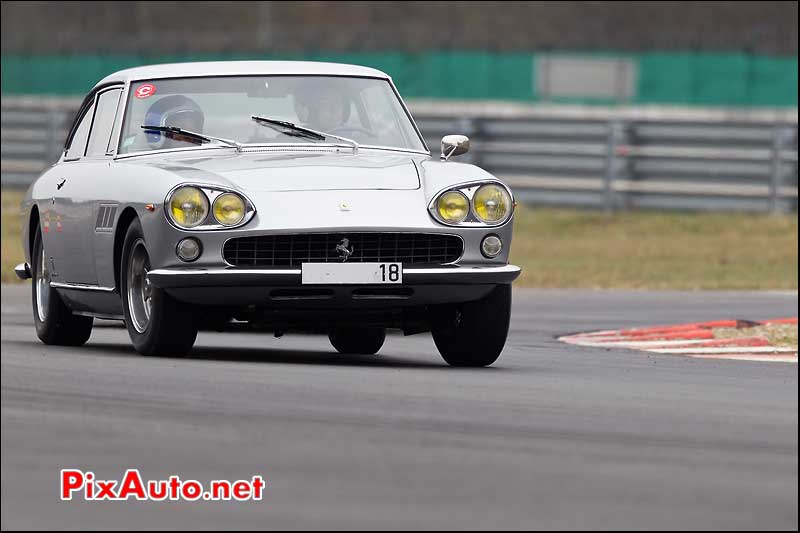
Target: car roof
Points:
(240, 68)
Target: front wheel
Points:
(55, 323)
(474, 333)
(157, 324)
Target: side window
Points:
(103, 123)
(78, 144)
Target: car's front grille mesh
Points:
(293, 250)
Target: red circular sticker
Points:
(145, 91)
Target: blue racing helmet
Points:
(175, 110)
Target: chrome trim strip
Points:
(80, 287)
(221, 271)
(116, 130)
(140, 153)
(277, 147)
(473, 269)
(392, 149)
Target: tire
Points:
(361, 341)
(55, 323)
(473, 334)
(157, 323)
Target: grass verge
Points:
(655, 250)
(584, 249)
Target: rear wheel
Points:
(157, 324)
(55, 323)
(474, 333)
(364, 341)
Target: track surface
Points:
(552, 436)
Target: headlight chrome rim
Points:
(229, 195)
(205, 204)
(507, 198)
(470, 189)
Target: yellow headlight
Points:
(452, 207)
(188, 207)
(492, 203)
(229, 209)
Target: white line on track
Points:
(721, 350)
(765, 358)
(634, 344)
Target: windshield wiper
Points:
(287, 128)
(202, 137)
(294, 130)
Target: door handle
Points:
(59, 185)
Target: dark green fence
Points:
(716, 79)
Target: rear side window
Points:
(78, 144)
(106, 110)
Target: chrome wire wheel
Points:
(140, 291)
(42, 287)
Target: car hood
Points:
(299, 171)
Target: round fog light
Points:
(491, 246)
(188, 249)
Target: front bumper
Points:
(171, 278)
(283, 287)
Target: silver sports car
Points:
(271, 196)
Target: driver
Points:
(326, 110)
(176, 111)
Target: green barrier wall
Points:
(716, 79)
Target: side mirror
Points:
(454, 145)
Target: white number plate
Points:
(351, 273)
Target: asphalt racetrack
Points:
(551, 436)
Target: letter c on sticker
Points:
(145, 91)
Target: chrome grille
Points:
(295, 249)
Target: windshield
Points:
(365, 110)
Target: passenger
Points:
(326, 110)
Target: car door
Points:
(99, 220)
(78, 201)
(64, 241)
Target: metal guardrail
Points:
(32, 135)
(591, 157)
(614, 158)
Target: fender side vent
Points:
(105, 218)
